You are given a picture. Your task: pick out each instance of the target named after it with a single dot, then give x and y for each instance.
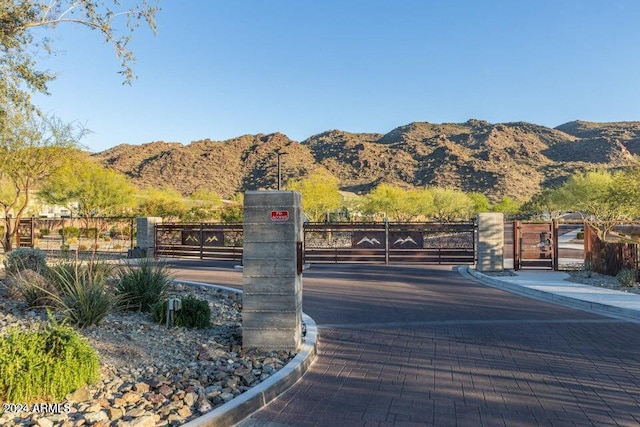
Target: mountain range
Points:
(504, 159)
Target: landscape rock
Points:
(150, 376)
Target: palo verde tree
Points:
(545, 205)
(21, 42)
(399, 204)
(450, 204)
(203, 205)
(32, 148)
(166, 203)
(599, 197)
(507, 206)
(88, 190)
(319, 194)
(479, 203)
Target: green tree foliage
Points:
(450, 204)
(21, 45)
(600, 196)
(319, 194)
(507, 206)
(399, 204)
(167, 203)
(544, 205)
(203, 205)
(626, 190)
(32, 148)
(479, 203)
(89, 190)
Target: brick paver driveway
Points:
(409, 346)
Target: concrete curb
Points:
(621, 313)
(259, 396)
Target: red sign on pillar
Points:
(279, 215)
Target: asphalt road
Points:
(422, 346)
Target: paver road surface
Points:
(423, 346)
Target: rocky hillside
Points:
(514, 159)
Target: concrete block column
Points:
(145, 233)
(490, 247)
(272, 270)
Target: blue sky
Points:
(223, 69)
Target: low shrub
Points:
(580, 235)
(83, 247)
(90, 232)
(25, 259)
(195, 313)
(45, 365)
(69, 232)
(72, 241)
(45, 232)
(627, 277)
(142, 285)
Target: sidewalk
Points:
(551, 286)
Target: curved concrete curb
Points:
(622, 313)
(259, 396)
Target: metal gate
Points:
(535, 245)
(205, 241)
(24, 234)
(389, 243)
(340, 243)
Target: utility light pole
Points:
(279, 171)
(279, 153)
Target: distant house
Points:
(54, 211)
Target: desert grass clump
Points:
(140, 286)
(46, 364)
(25, 259)
(627, 277)
(32, 287)
(195, 313)
(83, 293)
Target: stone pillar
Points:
(272, 270)
(490, 247)
(145, 233)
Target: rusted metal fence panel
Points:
(608, 257)
(389, 243)
(204, 241)
(108, 235)
(535, 245)
(338, 243)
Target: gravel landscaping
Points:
(150, 375)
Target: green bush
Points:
(195, 313)
(141, 286)
(25, 259)
(627, 277)
(45, 232)
(82, 291)
(69, 232)
(89, 233)
(45, 365)
(580, 235)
